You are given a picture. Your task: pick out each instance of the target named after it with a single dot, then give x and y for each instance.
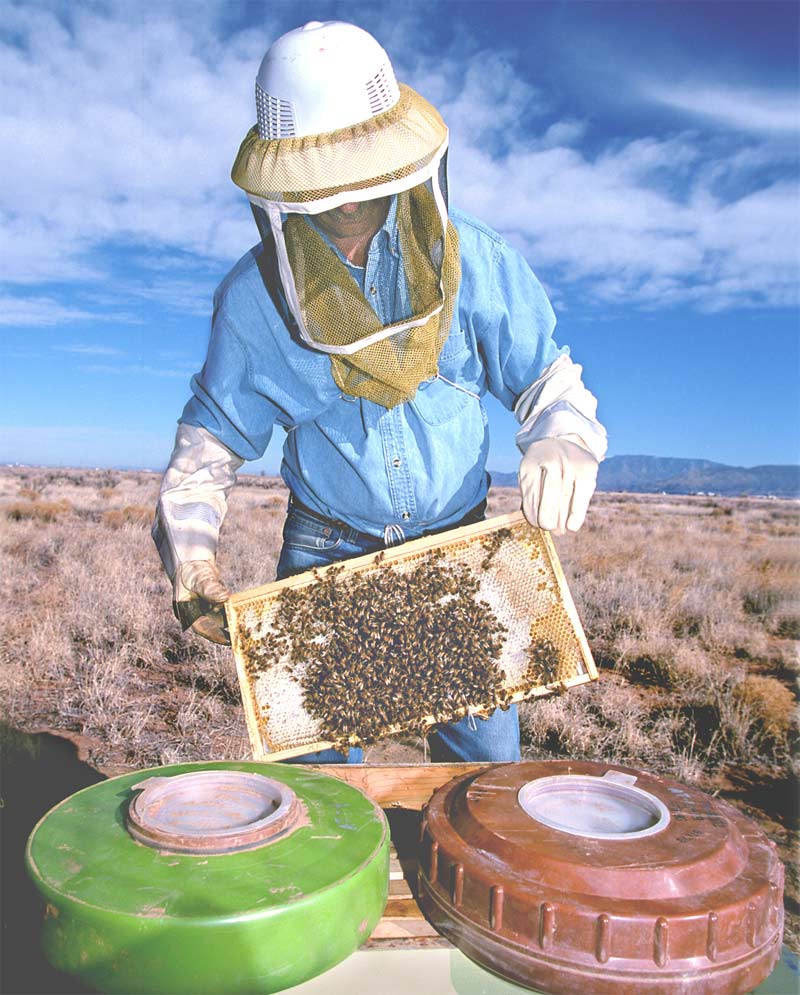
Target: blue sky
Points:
(643, 157)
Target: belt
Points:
(353, 533)
(476, 514)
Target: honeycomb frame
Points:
(497, 548)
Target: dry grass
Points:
(131, 514)
(686, 600)
(37, 511)
(90, 644)
(691, 606)
(767, 707)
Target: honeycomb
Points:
(428, 632)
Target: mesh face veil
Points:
(371, 138)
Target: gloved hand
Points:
(557, 479)
(198, 595)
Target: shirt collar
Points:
(389, 226)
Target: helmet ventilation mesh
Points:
(275, 116)
(382, 91)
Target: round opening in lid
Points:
(608, 808)
(212, 811)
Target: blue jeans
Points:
(310, 541)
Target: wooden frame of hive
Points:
(266, 748)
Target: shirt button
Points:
(397, 461)
(406, 515)
(373, 291)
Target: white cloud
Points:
(490, 101)
(187, 296)
(138, 370)
(38, 311)
(642, 222)
(563, 134)
(88, 349)
(124, 126)
(743, 109)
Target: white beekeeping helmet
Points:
(335, 127)
(320, 78)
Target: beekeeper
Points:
(368, 324)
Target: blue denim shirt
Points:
(418, 466)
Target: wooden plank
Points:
(401, 786)
(394, 929)
(399, 889)
(572, 612)
(387, 941)
(402, 924)
(402, 908)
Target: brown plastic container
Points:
(587, 879)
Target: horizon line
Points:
(496, 470)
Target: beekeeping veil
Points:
(335, 127)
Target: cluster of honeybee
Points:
(260, 650)
(545, 664)
(491, 543)
(385, 649)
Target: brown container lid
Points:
(581, 878)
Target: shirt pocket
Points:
(342, 421)
(455, 346)
(437, 402)
(459, 362)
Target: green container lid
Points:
(144, 915)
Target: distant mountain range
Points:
(654, 474)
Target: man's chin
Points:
(354, 218)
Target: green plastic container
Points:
(126, 917)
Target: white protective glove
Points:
(198, 596)
(557, 479)
(191, 508)
(562, 444)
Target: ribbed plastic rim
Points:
(212, 811)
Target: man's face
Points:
(354, 220)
